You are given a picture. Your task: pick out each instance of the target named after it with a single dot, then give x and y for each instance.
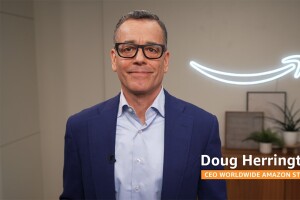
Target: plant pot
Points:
(265, 148)
(290, 138)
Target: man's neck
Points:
(141, 102)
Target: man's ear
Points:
(113, 60)
(166, 61)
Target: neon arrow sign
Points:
(291, 63)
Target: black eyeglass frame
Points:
(138, 46)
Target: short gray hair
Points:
(142, 14)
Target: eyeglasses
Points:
(150, 51)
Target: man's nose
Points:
(140, 55)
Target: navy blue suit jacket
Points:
(90, 148)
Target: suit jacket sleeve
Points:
(213, 189)
(72, 184)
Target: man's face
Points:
(140, 75)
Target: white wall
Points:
(51, 90)
(70, 74)
(73, 40)
(20, 135)
(1, 47)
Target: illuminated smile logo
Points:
(290, 64)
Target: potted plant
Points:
(266, 138)
(290, 125)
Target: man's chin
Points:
(140, 92)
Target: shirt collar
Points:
(158, 103)
(123, 104)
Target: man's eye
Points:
(152, 49)
(128, 49)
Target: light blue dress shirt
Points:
(139, 151)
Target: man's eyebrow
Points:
(152, 43)
(134, 42)
(129, 41)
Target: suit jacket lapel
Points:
(102, 132)
(178, 130)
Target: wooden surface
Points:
(260, 189)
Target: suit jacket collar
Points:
(178, 129)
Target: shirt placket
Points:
(139, 172)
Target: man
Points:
(143, 143)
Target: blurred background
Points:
(55, 62)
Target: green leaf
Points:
(266, 136)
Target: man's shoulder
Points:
(188, 107)
(95, 110)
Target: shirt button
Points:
(140, 131)
(137, 188)
(130, 110)
(139, 161)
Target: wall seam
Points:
(102, 51)
(16, 15)
(19, 139)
